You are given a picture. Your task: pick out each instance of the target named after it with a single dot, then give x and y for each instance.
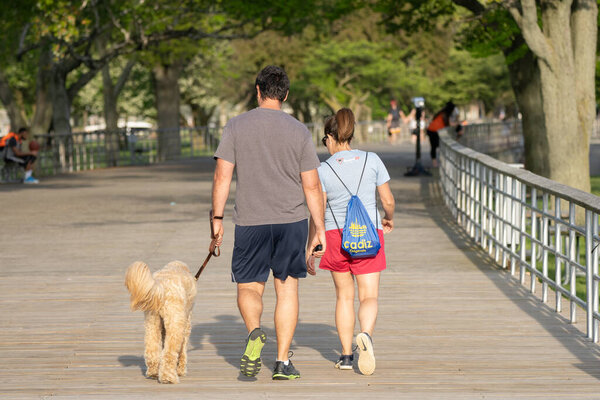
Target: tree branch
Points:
(80, 83)
(123, 77)
(472, 5)
(527, 19)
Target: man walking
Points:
(276, 166)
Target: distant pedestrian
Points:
(394, 121)
(343, 172)
(440, 120)
(276, 166)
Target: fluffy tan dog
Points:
(167, 299)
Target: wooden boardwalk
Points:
(452, 325)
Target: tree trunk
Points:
(61, 106)
(201, 115)
(167, 106)
(565, 47)
(111, 118)
(16, 114)
(525, 80)
(568, 147)
(42, 116)
(584, 28)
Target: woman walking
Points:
(352, 170)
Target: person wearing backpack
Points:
(349, 174)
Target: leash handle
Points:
(213, 249)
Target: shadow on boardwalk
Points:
(556, 324)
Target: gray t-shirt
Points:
(269, 149)
(348, 165)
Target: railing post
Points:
(589, 275)
(572, 268)
(498, 229)
(523, 239)
(533, 261)
(482, 204)
(595, 273)
(557, 251)
(505, 224)
(545, 243)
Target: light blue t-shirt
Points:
(348, 165)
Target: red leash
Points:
(213, 249)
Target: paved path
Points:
(451, 325)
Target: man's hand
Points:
(318, 239)
(218, 231)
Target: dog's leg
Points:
(182, 364)
(153, 343)
(175, 324)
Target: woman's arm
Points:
(389, 204)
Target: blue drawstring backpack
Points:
(359, 237)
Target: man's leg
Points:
(249, 299)
(286, 314)
(250, 305)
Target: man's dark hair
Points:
(21, 130)
(273, 83)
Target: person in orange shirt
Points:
(10, 146)
(440, 120)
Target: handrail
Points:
(499, 207)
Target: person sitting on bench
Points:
(14, 153)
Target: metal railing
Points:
(100, 149)
(527, 221)
(501, 140)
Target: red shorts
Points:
(336, 259)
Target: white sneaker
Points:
(31, 180)
(366, 357)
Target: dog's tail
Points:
(145, 292)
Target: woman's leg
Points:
(368, 291)
(344, 309)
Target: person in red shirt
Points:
(440, 120)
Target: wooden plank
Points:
(451, 324)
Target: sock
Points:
(286, 362)
(28, 174)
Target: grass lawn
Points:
(595, 180)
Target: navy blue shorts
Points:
(258, 249)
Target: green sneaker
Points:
(285, 372)
(250, 363)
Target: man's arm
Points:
(311, 185)
(220, 192)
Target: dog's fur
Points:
(167, 299)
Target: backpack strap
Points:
(362, 173)
(329, 165)
(333, 215)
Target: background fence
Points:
(81, 151)
(91, 150)
(524, 221)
